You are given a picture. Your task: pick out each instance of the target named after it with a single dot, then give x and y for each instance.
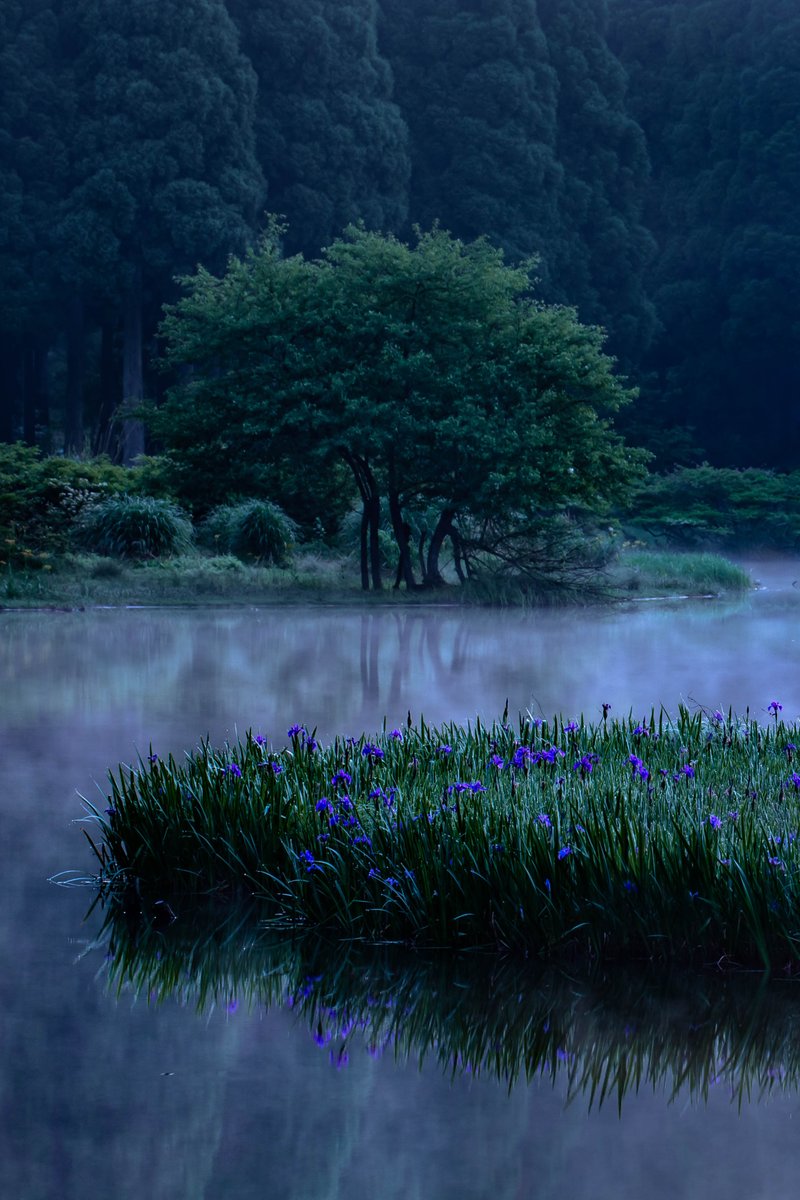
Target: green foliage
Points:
(478, 91)
(42, 497)
(138, 527)
(716, 88)
(255, 531)
(737, 509)
(328, 134)
(428, 370)
(626, 838)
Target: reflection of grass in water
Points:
(627, 840)
(606, 1034)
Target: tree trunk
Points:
(76, 375)
(132, 441)
(10, 372)
(374, 540)
(444, 527)
(402, 535)
(460, 561)
(370, 519)
(29, 392)
(109, 390)
(364, 545)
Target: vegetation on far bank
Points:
(82, 533)
(651, 838)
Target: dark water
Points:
(107, 1095)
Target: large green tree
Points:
(429, 370)
(329, 137)
(162, 171)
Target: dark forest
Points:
(645, 152)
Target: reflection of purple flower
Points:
(232, 1006)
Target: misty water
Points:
(125, 1095)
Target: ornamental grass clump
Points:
(651, 838)
(135, 527)
(255, 531)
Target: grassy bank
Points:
(76, 581)
(629, 839)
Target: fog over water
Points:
(103, 1096)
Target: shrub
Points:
(135, 527)
(719, 507)
(256, 531)
(41, 498)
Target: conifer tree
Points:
(477, 89)
(603, 246)
(332, 143)
(32, 104)
(162, 171)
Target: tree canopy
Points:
(429, 370)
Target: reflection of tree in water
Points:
(602, 1036)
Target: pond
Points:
(286, 1076)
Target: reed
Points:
(651, 838)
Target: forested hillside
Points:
(646, 151)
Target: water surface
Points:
(105, 1095)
